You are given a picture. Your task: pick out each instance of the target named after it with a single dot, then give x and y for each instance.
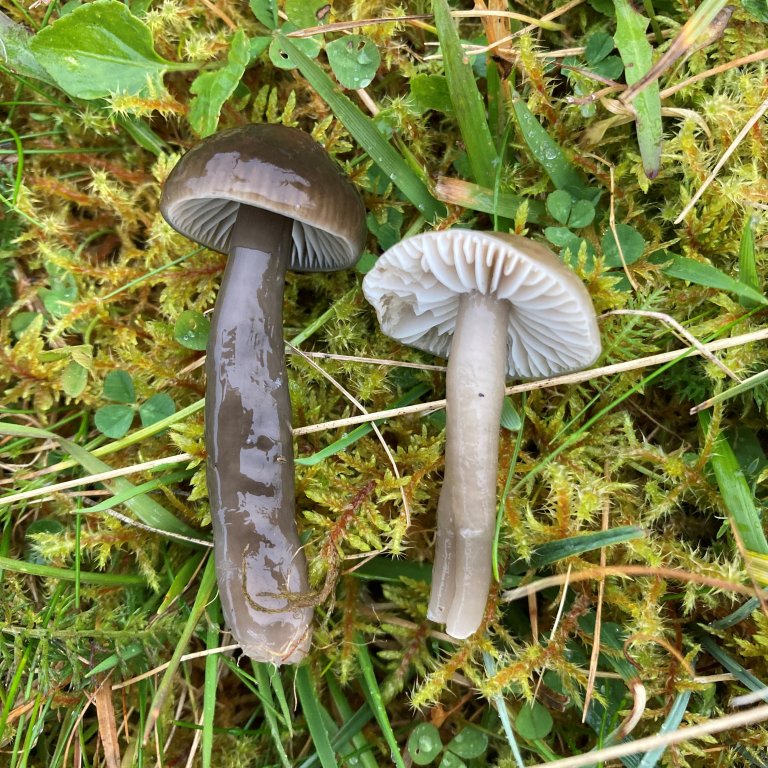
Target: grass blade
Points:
(86, 577)
(146, 509)
(700, 273)
(365, 133)
(637, 54)
(262, 675)
(310, 705)
(212, 637)
(467, 102)
(747, 264)
(737, 496)
(373, 696)
(411, 396)
(479, 198)
(207, 584)
(671, 723)
(546, 151)
(553, 551)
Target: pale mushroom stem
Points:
(259, 562)
(475, 382)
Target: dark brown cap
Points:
(274, 168)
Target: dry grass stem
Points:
(648, 743)
(91, 479)
(556, 381)
(748, 126)
(588, 574)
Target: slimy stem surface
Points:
(259, 563)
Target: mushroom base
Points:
(260, 568)
(467, 508)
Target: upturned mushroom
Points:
(271, 198)
(496, 305)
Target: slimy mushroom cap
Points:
(415, 288)
(277, 169)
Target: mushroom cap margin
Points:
(415, 287)
(275, 168)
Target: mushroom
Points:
(271, 198)
(494, 304)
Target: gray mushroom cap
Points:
(416, 284)
(275, 168)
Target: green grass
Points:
(92, 281)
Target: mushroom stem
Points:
(474, 397)
(259, 562)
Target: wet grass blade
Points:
(553, 551)
(207, 584)
(315, 718)
(411, 396)
(375, 701)
(86, 577)
(546, 151)
(737, 496)
(262, 676)
(212, 636)
(637, 54)
(465, 96)
(146, 509)
(365, 133)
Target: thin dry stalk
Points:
(626, 571)
(376, 430)
(759, 112)
(638, 746)
(100, 477)
(555, 381)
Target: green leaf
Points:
(212, 89)
(146, 509)
(450, 760)
(467, 102)
(159, 406)
(737, 496)
(551, 552)
(22, 321)
(266, 12)
(582, 214)
(118, 386)
(559, 205)
(114, 420)
(84, 577)
(430, 92)
(354, 60)
(510, 418)
(310, 705)
(282, 58)
(74, 379)
(758, 9)
(365, 133)
(191, 330)
(632, 245)
(306, 13)
(598, 46)
(533, 721)
(637, 54)
(424, 744)
(99, 49)
(17, 53)
(700, 273)
(469, 743)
